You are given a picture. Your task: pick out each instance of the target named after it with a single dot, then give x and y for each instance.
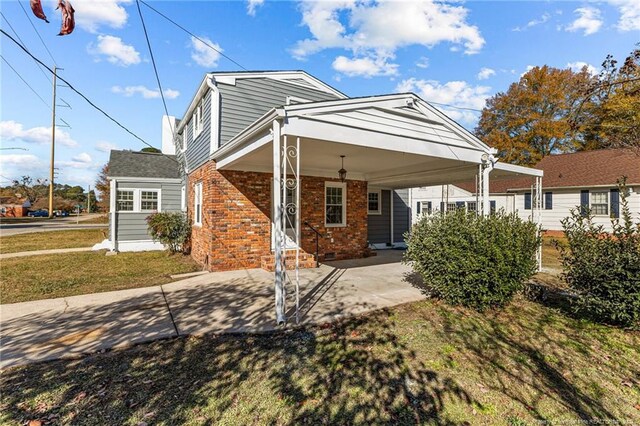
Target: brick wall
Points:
(236, 224)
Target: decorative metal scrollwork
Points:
(291, 183)
(291, 151)
(291, 208)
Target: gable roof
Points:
(133, 164)
(579, 169)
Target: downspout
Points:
(214, 142)
(112, 208)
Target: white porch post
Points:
(112, 208)
(486, 204)
(277, 226)
(537, 205)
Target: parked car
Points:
(60, 213)
(38, 213)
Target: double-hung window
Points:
(335, 204)
(374, 202)
(197, 120)
(197, 204)
(148, 200)
(124, 200)
(600, 203)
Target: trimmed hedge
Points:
(602, 268)
(170, 228)
(474, 261)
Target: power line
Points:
(80, 93)
(14, 31)
(153, 62)
(192, 34)
(37, 32)
(25, 81)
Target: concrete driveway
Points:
(219, 302)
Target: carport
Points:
(392, 141)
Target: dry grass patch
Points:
(70, 274)
(421, 363)
(52, 240)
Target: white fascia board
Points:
(518, 169)
(323, 107)
(426, 108)
(360, 136)
(248, 135)
(143, 179)
(202, 89)
(231, 157)
(230, 78)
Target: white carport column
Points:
(277, 225)
(536, 212)
(487, 166)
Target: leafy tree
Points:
(532, 118)
(103, 187)
(31, 189)
(151, 149)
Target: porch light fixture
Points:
(342, 173)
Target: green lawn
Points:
(52, 240)
(421, 363)
(104, 218)
(70, 274)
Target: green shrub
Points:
(171, 229)
(472, 260)
(602, 268)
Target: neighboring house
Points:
(9, 207)
(141, 183)
(570, 181)
(343, 167)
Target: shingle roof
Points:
(143, 165)
(579, 169)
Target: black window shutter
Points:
(442, 206)
(548, 200)
(418, 207)
(460, 204)
(492, 206)
(527, 201)
(584, 202)
(429, 207)
(614, 196)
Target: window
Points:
(492, 206)
(472, 206)
(335, 195)
(197, 203)
(424, 207)
(548, 200)
(451, 207)
(374, 203)
(124, 200)
(197, 121)
(148, 200)
(600, 203)
(527, 201)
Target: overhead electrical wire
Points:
(38, 33)
(193, 35)
(79, 93)
(25, 82)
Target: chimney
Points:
(168, 127)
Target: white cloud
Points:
(91, 14)
(115, 50)
(589, 21)
(544, 18)
(375, 30)
(83, 157)
(104, 146)
(529, 68)
(456, 93)
(629, 14)
(252, 5)
(145, 92)
(202, 54)
(22, 161)
(365, 67)
(485, 73)
(578, 65)
(14, 131)
(423, 62)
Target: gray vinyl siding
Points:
(249, 99)
(401, 214)
(133, 226)
(379, 229)
(197, 152)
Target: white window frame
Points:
(343, 185)
(197, 121)
(607, 202)
(137, 199)
(475, 206)
(379, 193)
(425, 208)
(197, 201)
(183, 198)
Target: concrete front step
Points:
(306, 261)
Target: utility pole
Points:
(53, 142)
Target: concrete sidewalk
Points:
(39, 252)
(220, 302)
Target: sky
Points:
(454, 53)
